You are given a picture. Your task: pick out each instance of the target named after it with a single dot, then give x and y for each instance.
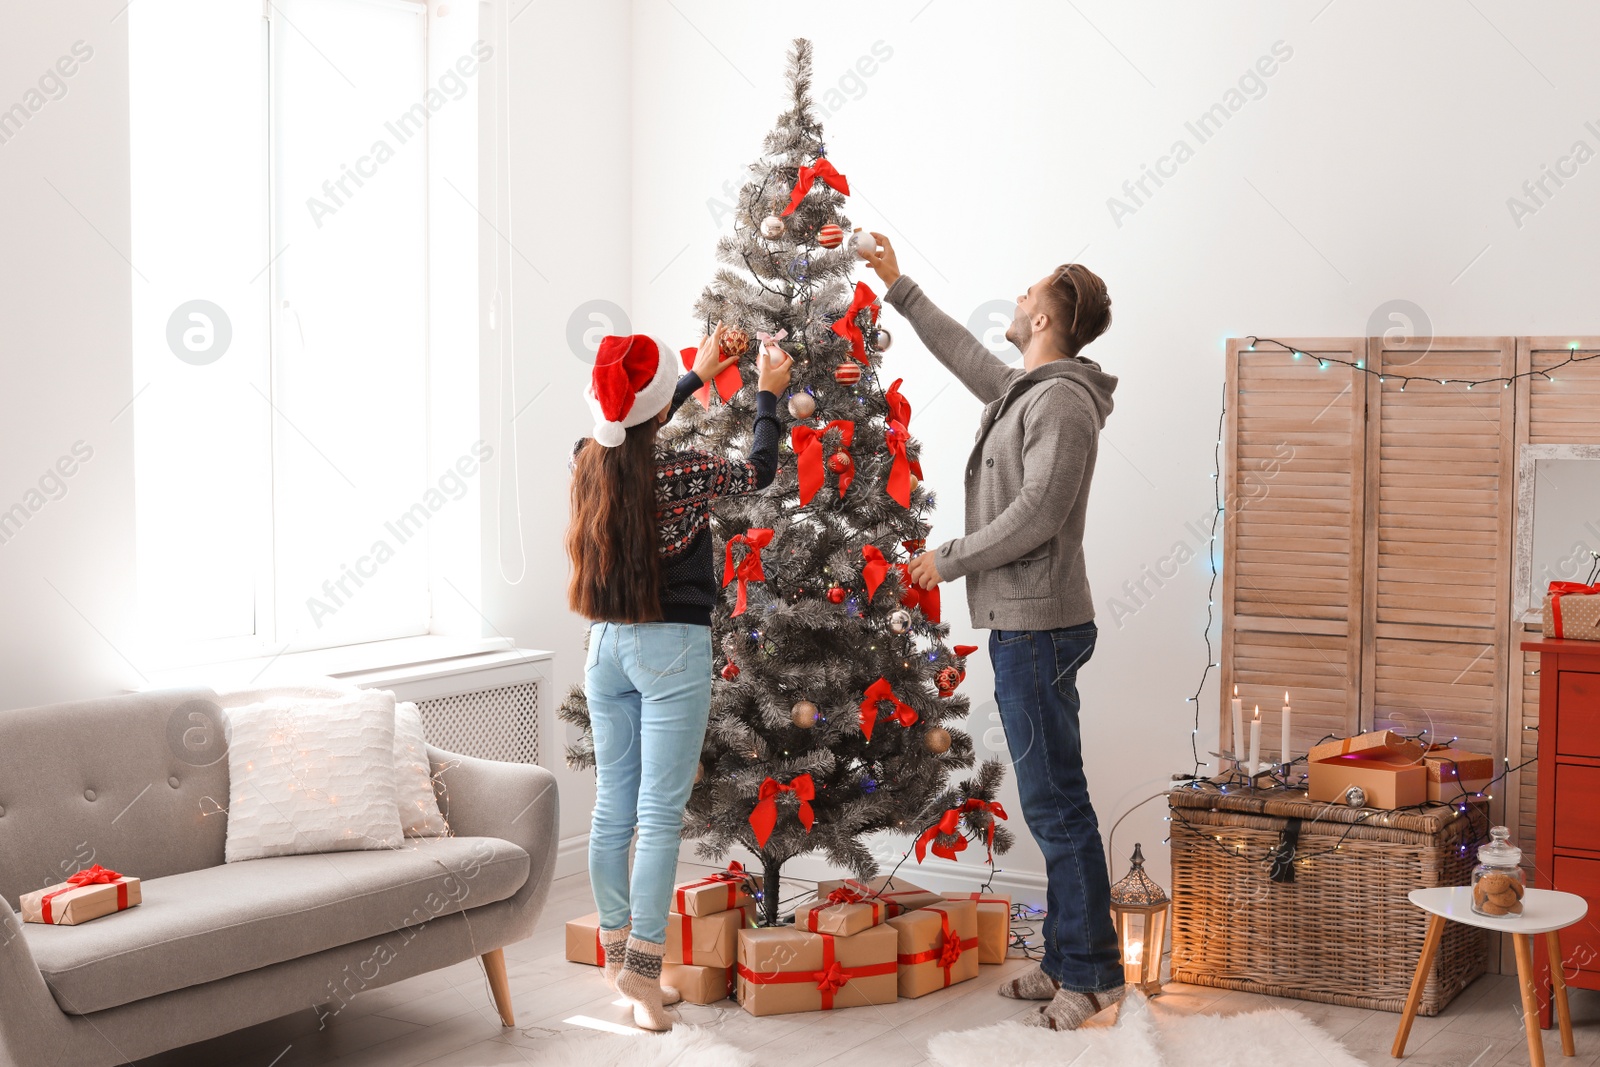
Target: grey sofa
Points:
(139, 784)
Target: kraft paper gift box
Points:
(936, 946)
(1387, 767)
(994, 924)
(903, 897)
(706, 940)
(1453, 772)
(722, 891)
(1572, 611)
(699, 985)
(842, 912)
(783, 970)
(89, 894)
(583, 940)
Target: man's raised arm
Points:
(984, 374)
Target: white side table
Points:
(1543, 912)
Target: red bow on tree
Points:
(965, 650)
(749, 567)
(807, 444)
(881, 690)
(914, 596)
(765, 815)
(820, 169)
(727, 383)
(995, 812)
(949, 824)
(874, 570)
(845, 325)
(899, 434)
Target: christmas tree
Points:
(834, 715)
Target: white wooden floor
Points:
(446, 1019)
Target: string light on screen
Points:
(1405, 379)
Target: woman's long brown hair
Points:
(611, 540)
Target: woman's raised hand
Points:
(709, 361)
(775, 364)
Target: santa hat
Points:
(633, 380)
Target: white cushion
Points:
(413, 776)
(312, 776)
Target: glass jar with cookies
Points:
(1497, 880)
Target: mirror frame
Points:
(1528, 457)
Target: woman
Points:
(641, 557)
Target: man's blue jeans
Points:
(1036, 686)
(649, 690)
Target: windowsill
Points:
(325, 662)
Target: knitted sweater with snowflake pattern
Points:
(687, 482)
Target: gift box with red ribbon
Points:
(994, 924)
(583, 940)
(699, 985)
(902, 897)
(89, 894)
(1572, 611)
(782, 970)
(845, 910)
(706, 940)
(722, 891)
(937, 946)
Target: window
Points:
(306, 400)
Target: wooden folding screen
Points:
(1368, 538)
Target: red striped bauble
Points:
(830, 236)
(847, 373)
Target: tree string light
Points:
(1406, 379)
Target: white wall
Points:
(66, 577)
(1376, 166)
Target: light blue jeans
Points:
(649, 690)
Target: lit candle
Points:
(1237, 740)
(1285, 748)
(1255, 742)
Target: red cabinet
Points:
(1568, 848)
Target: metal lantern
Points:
(1139, 907)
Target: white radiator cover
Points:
(486, 705)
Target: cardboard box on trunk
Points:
(1453, 771)
(1388, 768)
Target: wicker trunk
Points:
(1343, 931)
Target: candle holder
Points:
(1139, 906)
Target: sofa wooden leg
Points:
(494, 964)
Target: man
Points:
(1027, 488)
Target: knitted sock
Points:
(615, 942)
(1068, 1009)
(640, 981)
(1035, 985)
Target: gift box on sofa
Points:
(1387, 767)
(722, 891)
(706, 940)
(994, 924)
(583, 940)
(902, 898)
(89, 894)
(1453, 771)
(784, 970)
(699, 985)
(936, 946)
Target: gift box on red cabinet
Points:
(1572, 611)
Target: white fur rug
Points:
(683, 1046)
(1135, 1035)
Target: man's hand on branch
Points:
(924, 571)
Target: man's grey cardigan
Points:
(1027, 480)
